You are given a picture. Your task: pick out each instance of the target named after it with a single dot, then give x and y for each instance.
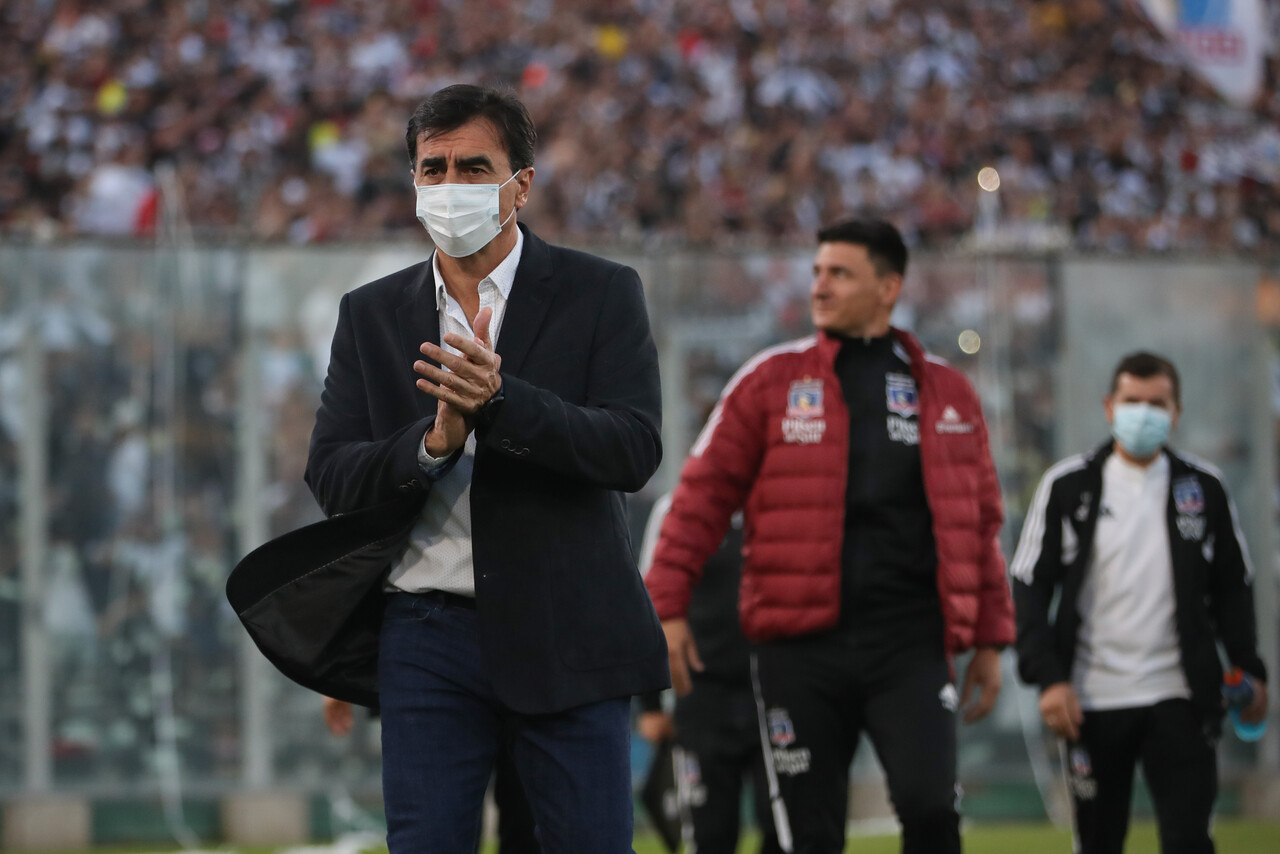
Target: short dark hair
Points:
(454, 106)
(883, 242)
(1144, 365)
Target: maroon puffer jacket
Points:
(777, 443)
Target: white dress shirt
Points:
(438, 554)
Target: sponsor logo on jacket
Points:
(902, 430)
(798, 431)
(951, 422)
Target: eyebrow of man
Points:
(461, 162)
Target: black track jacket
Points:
(1212, 577)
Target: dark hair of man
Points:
(454, 106)
(882, 241)
(1144, 365)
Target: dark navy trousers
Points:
(442, 730)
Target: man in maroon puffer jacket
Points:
(871, 551)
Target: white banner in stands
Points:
(1224, 41)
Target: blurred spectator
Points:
(660, 120)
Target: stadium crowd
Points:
(661, 121)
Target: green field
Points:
(1232, 836)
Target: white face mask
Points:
(462, 218)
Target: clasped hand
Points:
(461, 384)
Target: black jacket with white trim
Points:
(1212, 576)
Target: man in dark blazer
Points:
(483, 414)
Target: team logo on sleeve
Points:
(900, 395)
(804, 424)
(804, 399)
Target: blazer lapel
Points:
(419, 320)
(530, 298)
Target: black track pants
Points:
(718, 743)
(817, 701)
(1179, 763)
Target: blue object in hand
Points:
(1237, 691)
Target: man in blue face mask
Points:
(1142, 549)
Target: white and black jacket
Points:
(1212, 577)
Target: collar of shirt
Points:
(1155, 471)
(503, 276)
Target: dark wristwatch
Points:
(488, 410)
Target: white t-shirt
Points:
(1127, 648)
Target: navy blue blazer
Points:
(563, 613)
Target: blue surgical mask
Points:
(1140, 428)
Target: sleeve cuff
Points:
(431, 465)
